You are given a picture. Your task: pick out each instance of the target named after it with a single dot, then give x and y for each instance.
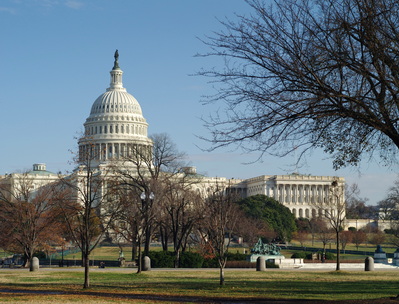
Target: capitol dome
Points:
(115, 101)
(115, 124)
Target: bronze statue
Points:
(116, 63)
(265, 249)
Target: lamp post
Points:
(146, 201)
(143, 197)
(145, 227)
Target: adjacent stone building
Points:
(302, 194)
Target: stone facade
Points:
(34, 179)
(302, 194)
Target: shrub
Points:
(210, 263)
(240, 264)
(166, 259)
(271, 265)
(191, 260)
(231, 257)
(40, 255)
(299, 255)
(236, 256)
(161, 259)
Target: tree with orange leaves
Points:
(29, 217)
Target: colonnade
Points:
(301, 193)
(134, 129)
(108, 151)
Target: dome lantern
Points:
(116, 75)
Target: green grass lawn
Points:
(116, 286)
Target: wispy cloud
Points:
(74, 4)
(7, 10)
(47, 3)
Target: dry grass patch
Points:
(199, 285)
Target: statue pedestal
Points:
(395, 260)
(254, 257)
(380, 256)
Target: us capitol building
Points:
(116, 127)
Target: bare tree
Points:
(221, 217)
(333, 210)
(377, 238)
(127, 227)
(309, 73)
(301, 237)
(388, 208)
(251, 229)
(89, 204)
(326, 236)
(183, 208)
(346, 237)
(143, 173)
(359, 237)
(316, 225)
(29, 217)
(356, 206)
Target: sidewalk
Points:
(346, 266)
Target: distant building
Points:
(302, 194)
(13, 184)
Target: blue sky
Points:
(55, 58)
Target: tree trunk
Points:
(221, 276)
(177, 258)
(134, 249)
(147, 241)
(338, 253)
(164, 238)
(139, 258)
(31, 263)
(86, 260)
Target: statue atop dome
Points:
(116, 63)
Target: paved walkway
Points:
(347, 266)
(303, 267)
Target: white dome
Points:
(115, 102)
(115, 122)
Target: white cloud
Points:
(74, 4)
